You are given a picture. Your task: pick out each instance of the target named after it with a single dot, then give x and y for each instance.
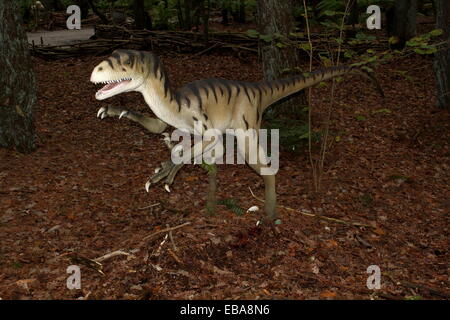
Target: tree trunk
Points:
(188, 14)
(442, 57)
(84, 7)
(242, 15)
(402, 22)
(142, 19)
(275, 17)
(225, 20)
(18, 92)
(206, 15)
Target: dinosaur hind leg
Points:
(269, 180)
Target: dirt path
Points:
(60, 37)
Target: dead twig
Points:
(174, 256)
(150, 206)
(171, 239)
(75, 258)
(350, 223)
(159, 232)
(111, 255)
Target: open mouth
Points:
(111, 84)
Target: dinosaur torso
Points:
(218, 103)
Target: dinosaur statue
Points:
(218, 103)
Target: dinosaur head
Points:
(123, 71)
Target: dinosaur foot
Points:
(271, 224)
(168, 170)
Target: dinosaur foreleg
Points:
(153, 125)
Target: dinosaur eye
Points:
(128, 61)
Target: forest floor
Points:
(81, 195)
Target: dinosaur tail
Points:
(282, 88)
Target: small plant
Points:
(233, 205)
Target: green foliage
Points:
(294, 134)
(421, 44)
(232, 204)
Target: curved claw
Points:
(122, 114)
(167, 188)
(101, 111)
(147, 186)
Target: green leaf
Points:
(266, 37)
(393, 40)
(305, 46)
(329, 13)
(436, 32)
(349, 53)
(414, 298)
(252, 33)
(360, 118)
(384, 110)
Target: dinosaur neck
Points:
(161, 99)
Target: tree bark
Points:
(275, 17)
(403, 21)
(84, 7)
(142, 19)
(17, 83)
(442, 57)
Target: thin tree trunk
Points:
(206, 14)
(18, 92)
(403, 21)
(188, 14)
(242, 15)
(84, 6)
(142, 19)
(442, 57)
(275, 17)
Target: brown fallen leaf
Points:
(328, 294)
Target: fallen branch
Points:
(111, 255)
(357, 224)
(150, 206)
(165, 230)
